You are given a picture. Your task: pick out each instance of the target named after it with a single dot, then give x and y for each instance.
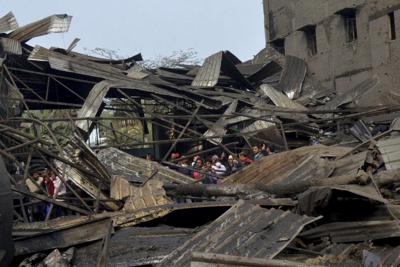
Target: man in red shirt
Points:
(244, 159)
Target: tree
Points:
(188, 57)
(104, 53)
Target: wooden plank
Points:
(212, 259)
(64, 238)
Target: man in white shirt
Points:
(217, 167)
(59, 187)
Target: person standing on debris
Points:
(244, 159)
(217, 167)
(232, 165)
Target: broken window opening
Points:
(392, 25)
(279, 45)
(311, 37)
(350, 23)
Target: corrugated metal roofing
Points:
(292, 77)
(361, 131)
(152, 194)
(390, 256)
(131, 246)
(8, 23)
(349, 165)
(279, 99)
(390, 150)
(208, 74)
(11, 46)
(156, 86)
(63, 238)
(244, 230)
(258, 72)
(39, 54)
(395, 125)
(286, 167)
(77, 65)
(345, 232)
(92, 104)
(51, 24)
(114, 158)
(81, 181)
(257, 126)
(219, 128)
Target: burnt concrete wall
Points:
(339, 64)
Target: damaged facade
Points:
(328, 195)
(343, 42)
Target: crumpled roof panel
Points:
(292, 78)
(51, 24)
(8, 22)
(244, 230)
(390, 149)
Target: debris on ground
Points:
(107, 163)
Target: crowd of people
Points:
(208, 170)
(213, 168)
(49, 183)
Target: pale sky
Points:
(152, 27)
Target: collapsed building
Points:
(327, 197)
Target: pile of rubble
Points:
(328, 197)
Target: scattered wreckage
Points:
(330, 203)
